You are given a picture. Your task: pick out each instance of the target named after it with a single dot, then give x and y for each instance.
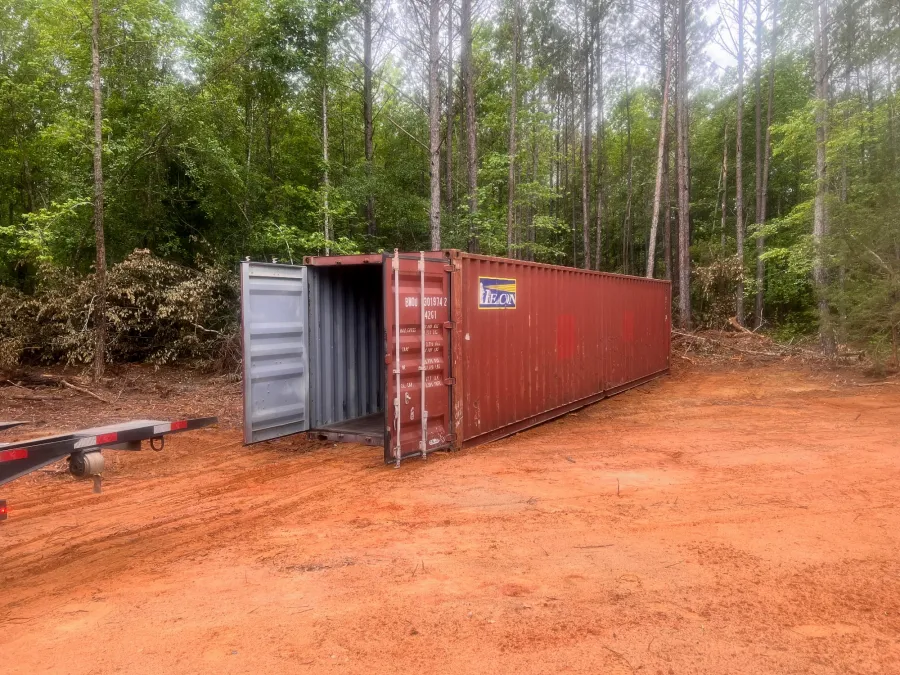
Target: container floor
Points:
(368, 429)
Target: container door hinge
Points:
(449, 325)
(450, 381)
(448, 268)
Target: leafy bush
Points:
(156, 312)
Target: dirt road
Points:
(715, 522)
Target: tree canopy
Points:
(215, 113)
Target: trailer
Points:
(83, 448)
(416, 352)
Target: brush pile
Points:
(740, 344)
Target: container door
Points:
(274, 301)
(417, 326)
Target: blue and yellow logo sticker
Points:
(494, 293)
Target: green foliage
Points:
(866, 291)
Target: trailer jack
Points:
(88, 465)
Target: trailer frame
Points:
(83, 448)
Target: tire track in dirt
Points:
(230, 512)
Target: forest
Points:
(744, 149)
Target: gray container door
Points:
(274, 326)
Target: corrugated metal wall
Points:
(273, 327)
(636, 328)
(346, 343)
(572, 337)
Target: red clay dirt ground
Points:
(723, 520)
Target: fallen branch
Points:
(34, 397)
(207, 330)
(756, 353)
(83, 391)
(692, 336)
(19, 386)
(783, 350)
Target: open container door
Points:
(274, 318)
(417, 377)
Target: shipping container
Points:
(430, 351)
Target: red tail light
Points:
(15, 453)
(4, 511)
(107, 438)
(181, 424)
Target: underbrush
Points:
(156, 311)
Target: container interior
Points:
(346, 352)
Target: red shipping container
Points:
(420, 352)
(573, 337)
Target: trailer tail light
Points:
(15, 453)
(4, 511)
(180, 424)
(94, 441)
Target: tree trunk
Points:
(660, 158)
(326, 181)
(676, 138)
(684, 222)
(468, 76)
(565, 172)
(758, 117)
(574, 202)
(533, 205)
(629, 181)
(448, 139)
(724, 183)
(513, 109)
(434, 120)
(739, 169)
(368, 125)
(249, 122)
(767, 158)
(100, 321)
(820, 211)
(270, 160)
(344, 160)
(892, 142)
(587, 130)
(667, 211)
(665, 70)
(557, 172)
(601, 163)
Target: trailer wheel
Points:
(86, 464)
